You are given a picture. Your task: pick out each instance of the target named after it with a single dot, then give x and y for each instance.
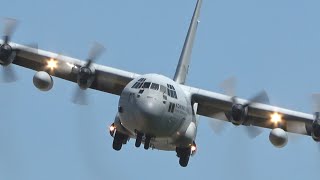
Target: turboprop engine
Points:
(7, 55)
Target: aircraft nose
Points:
(150, 108)
(151, 111)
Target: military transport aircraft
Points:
(157, 111)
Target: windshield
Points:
(170, 90)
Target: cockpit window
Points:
(146, 85)
(140, 85)
(163, 89)
(171, 91)
(154, 86)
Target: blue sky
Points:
(271, 45)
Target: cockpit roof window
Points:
(135, 85)
(139, 83)
(141, 79)
(171, 91)
(170, 86)
(154, 86)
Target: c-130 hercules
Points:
(155, 110)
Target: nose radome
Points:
(151, 111)
(150, 108)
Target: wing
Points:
(107, 79)
(210, 103)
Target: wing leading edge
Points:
(210, 104)
(108, 79)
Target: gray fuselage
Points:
(157, 106)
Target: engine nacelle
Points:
(238, 114)
(7, 55)
(43, 81)
(85, 76)
(278, 137)
(315, 131)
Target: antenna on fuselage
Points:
(184, 61)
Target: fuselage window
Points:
(174, 95)
(171, 107)
(171, 91)
(154, 86)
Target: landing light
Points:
(193, 148)
(52, 64)
(276, 118)
(112, 128)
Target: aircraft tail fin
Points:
(184, 61)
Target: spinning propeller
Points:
(9, 28)
(7, 54)
(86, 74)
(238, 112)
